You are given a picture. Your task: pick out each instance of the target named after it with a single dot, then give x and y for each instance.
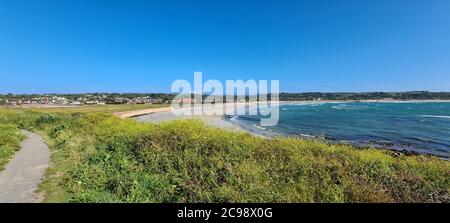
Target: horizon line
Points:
(283, 92)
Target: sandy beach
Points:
(225, 121)
(157, 115)
(134, 113)
(227, 108)
(215, 120)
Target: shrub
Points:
(101, 158)
(46, 119)
(10, 138)
(186, 161)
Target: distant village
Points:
(82, 99)
(159, 98)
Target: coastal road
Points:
(21, 177)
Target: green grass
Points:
(10, 138)
(96, 108)
(100, 158)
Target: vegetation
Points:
(98, 157)
(89, 95)
(10, 138)
(110, 98)
(97, 108)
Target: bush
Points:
(10, 138)
(46, 119)
(101, 158)
(186, 161)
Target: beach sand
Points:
(135, 113)
(157, 115)
(217, 121)
(227, 122)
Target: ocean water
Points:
(422, 127)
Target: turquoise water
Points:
(422, 127)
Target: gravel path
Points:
(22, 175)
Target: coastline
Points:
(155, 115)
(140, 112)
(217, 121)
(233, 123)
(223, 122)
(367, 101)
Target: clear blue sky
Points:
(142, 46)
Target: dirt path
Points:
(22, 175)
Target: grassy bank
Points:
(96, 108)
(10, 138)
(100, 158)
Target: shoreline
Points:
(223, 122)
(231, 122)
(366, 101)
(217, 121)
(148, 113)
(140, 112)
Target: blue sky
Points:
(142, 46)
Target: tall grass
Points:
(10, 138)
(97, 108)
(100, 158)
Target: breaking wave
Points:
(435, 116)
(348, 107)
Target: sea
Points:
(418, 127)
